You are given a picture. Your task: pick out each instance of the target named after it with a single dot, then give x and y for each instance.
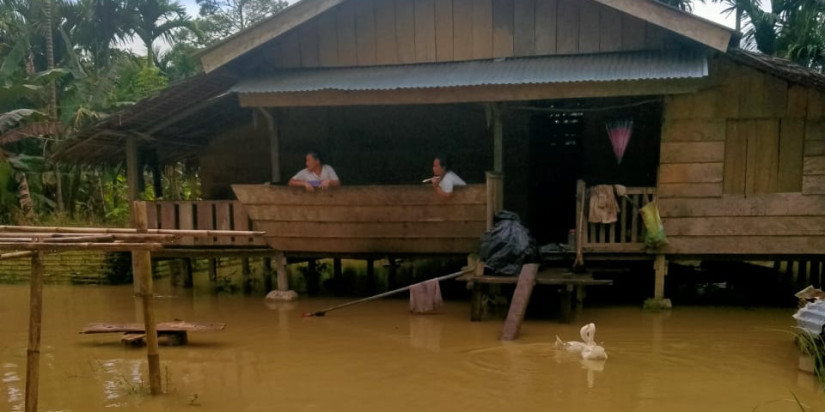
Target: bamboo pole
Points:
(35, 322)
(103, 230)
(49, 237)
(142, 270)
(106, 247)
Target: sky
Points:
(710, 11)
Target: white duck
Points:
(588, 348)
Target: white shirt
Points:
(449, 181)
(327, 173)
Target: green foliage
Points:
(138, 82)
(222, 18)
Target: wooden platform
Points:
(570, 283)
(169, 333)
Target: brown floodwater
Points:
(377, 357)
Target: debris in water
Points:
(810, 294)
(282, 295)
(588, 348)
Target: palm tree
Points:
(159, 19)
(97, 25)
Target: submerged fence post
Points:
(142, 268)
(35, 322)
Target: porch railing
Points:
(627, 233)
(202, 215)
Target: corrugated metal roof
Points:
(536, 70)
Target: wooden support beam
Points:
(660, 268)
(142, 269)
(35, 324)
(495, 196)
(274, 144)
(498, 138)
(518, 305)
(51, 230)
(280, 265)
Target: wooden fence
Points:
(203, 215)
(627, 233)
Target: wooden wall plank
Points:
(763, 157)
(746, 226)
(386, 46)
(815, 148)
(791, 151)
(813, 185)
(751, 94)
(610, 30)
(365, 32)
(401, 230)
(502, 28)
(167, 215)
(588, 27)
(693, 131)
(327, 40)
(692, 152)
(814, 129)
(309, 43)
(778, 204)
(524, 23)
(690, 173)
(633, 33)
(251, 195)
(813, 166)
(567, 26)
(797, 105)
(546, 22)
(376, 246)
(405, 30)
(736, 154)
(404, 213)
(463, 29)
(291, 50)
(776, 96)
(666, 190)
(482, 29)
(754, 245)
(345, 22)
(444, 30)
(816, 104)
(424, 30)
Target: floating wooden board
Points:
(176, 326)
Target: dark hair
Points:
(445, 161)
(316, 154)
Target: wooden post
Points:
(518, 305)
(246, 284)
(35, 317)
(498, 138)
(578, 264)
(280, 267)
(495, 196)
(660, 267)
(142, 268)
(274, 144)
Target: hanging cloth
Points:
(603, 205)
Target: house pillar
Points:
(274, 144)
(660, 271)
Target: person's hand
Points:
(309, 187)
(325, 184)
(436, 180)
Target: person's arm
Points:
(332, 180)
(301, 183)
(441, 192)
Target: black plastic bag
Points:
(507, 246)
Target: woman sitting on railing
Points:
(444, 179)
(316, 175)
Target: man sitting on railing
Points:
(444, 180)
(316, 175)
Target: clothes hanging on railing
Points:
(603, 205)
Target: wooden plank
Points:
(424, 31)
(290, 56)
(567, 26)
(691, 173)
(375, 245)
(813, 166)
(814, 129)
(345, 23)
(176, 326)
(152, 215)
(204, 221)
(751, 94)
(666, 190)
(610, 30)
(751, 245)
(503, 28)
(633, 33)
(167, 215)
(690, 130)
(524, 26)
(240, 221)
(692, 152)
(365, 32)
(421, 213)
(736, 155)
(385, 32)
(463, 29)
(776, 96)
(588, 27)
(310, 50)
(546, 21)
(327, 40)
(444, 30)
(679, 107)
(746, 226)
(816, 104)
(357, 230)
(602, 237)
(482, 29)
(475, 194)
(223, 221)
(763, 157)
(634, 222)
(797, 105)
(405, 30)
(779, 204)
(625, 210)
(791, 151)
(186, 221)
(518, 304)
(815, 148)
(813, 185)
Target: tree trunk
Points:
(47, 6)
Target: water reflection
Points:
(425, 332)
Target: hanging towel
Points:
(425, 297)
(603, 205)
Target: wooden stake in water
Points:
(142, 268)
(35, 316)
